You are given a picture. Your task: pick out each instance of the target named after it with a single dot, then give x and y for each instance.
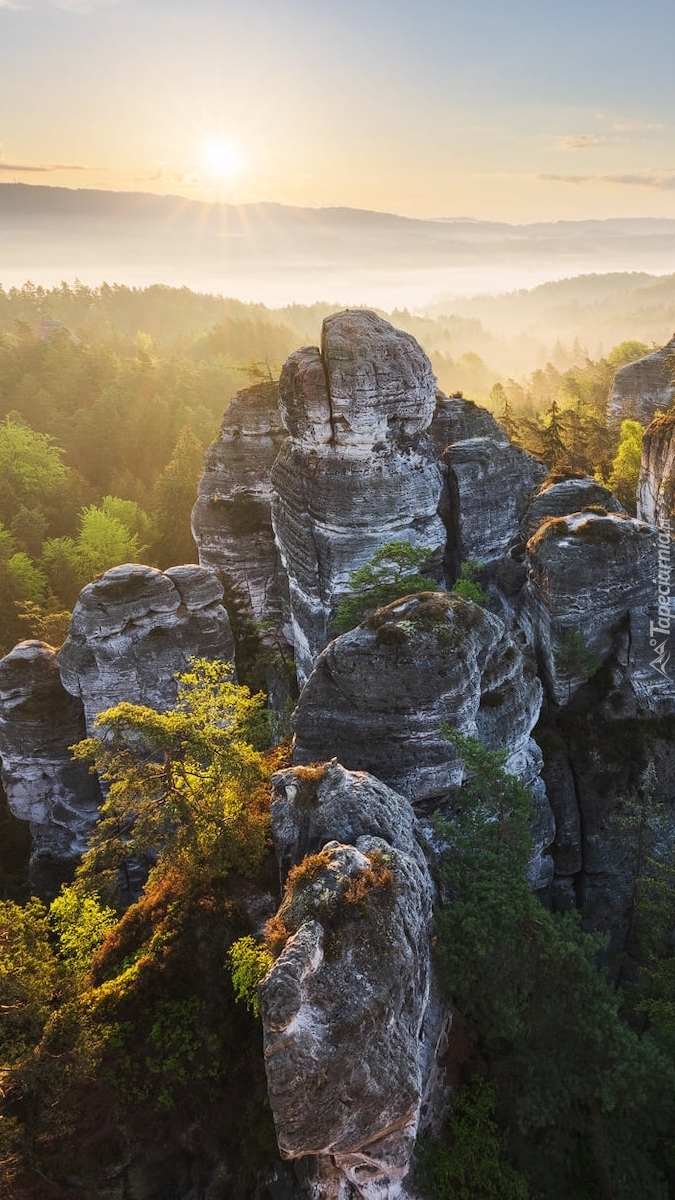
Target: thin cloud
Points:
(21, 167)
(662, 180)
(82, 6)
(581, 141)
(636, 126)
(166, 175)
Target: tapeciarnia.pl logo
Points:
(660, 629)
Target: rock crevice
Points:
(357, 470)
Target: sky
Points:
(532, 110)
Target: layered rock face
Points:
(231, 521)
(566, 496)
(590, 599)
(39, 720)
(352, 1026)
(587, 574)
(378, 695)
(494, 478)
(656, 484)
(135, 628)
(641, 387)
(131, 632)
(357, 470)
(607, 758)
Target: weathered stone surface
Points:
(39, 720)
(231, 521)
(586, 573)
(369, 382)
(135, 628)
(656, 484)
(357, 471)
(641, 387)
(560, 498)
(610, 762)
(310, 805)
(378, 695)
(352, 1024)
(494, 478)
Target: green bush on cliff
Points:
(187, 788)
(117, 1036)
(393, 571)
(249, 962)
(468, 585)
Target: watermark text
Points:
(659, 630)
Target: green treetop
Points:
(186, 787)
(393, 572)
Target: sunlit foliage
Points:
(185, 787)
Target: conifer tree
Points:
(554, 450)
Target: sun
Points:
(220, 158)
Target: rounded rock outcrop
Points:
(352, 1024)
(561, 497)
(587, 573)
(135, 628)
(39, 721)
(379, 695)
(231, 521)
(641, 387)
(493, 478)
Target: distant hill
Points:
(597, 311)
(279, 254)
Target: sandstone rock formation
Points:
(562, 497)
(135, 628)
(357, 470)
(39, 720)
(609, 765)
(231, 520)
(656, 484)
(639, 388)
(131, 632)
(494, 478)
(378, 695)
(351, 1023)
(587, 574)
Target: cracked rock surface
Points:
(351, 1020)
(135, 628)
(358, 469)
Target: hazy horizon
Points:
(279, 254)
(513, 295)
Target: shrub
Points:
(393, 572)
(377, 877)
(468, 586)
(249, 962)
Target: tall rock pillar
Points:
(358, 469)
